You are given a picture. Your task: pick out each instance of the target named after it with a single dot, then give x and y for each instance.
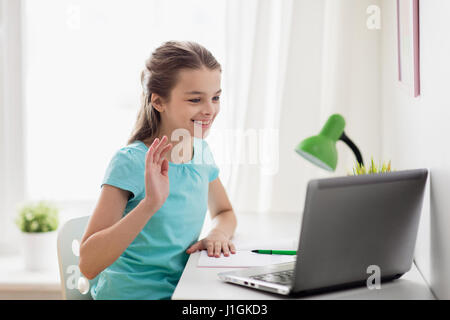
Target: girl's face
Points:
(194, 102)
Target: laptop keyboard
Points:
(281, 277)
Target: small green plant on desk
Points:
(373, 168)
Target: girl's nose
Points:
(209, 109)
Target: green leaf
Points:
(38, 217)
(359, 169)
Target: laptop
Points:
(350, 226)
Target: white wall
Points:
(415, 130)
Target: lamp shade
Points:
(321, 149)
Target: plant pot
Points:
(39, 251)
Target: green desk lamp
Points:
(321, 149)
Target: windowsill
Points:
(14, 277)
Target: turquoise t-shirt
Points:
(152, 265)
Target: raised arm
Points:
(108, 234)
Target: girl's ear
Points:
(156, 102)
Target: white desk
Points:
(203, 283)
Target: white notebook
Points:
(241, 259)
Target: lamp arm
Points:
(353, 147)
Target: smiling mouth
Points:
(203, 124)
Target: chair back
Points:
(74, 285)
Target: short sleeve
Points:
(214, 173)
(123, 172)
(213, 169)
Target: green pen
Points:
(287, 252)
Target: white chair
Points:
(74, 285)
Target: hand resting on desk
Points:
(214, 243)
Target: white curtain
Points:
(289, 65)
(12, 176)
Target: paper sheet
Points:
(241, 259)
(252, 244)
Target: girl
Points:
(141, 232)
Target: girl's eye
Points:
(216, 98)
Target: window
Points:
(82, 82)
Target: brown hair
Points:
(160, 76)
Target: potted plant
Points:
(38, 223)
(372, 169)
